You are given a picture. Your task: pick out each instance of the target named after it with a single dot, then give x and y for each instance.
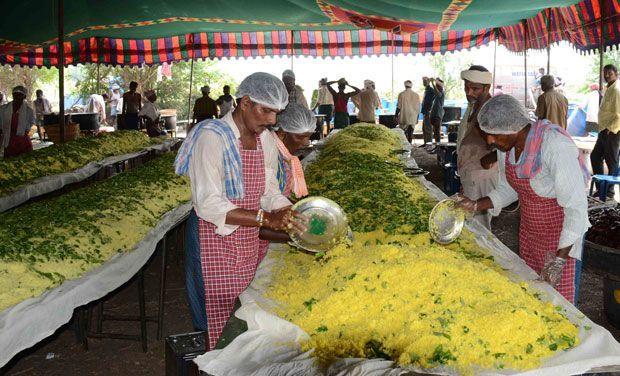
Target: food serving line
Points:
(271, 345)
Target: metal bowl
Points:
(327, 224)
(446, 222)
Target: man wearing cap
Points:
(151, 115)
(325, 102)
(232, 164)
(542, 168)
(294, 127)
(367, 101)
(551, 104)
(205, 107)
(476, 163)
(341, 99)
(408, 109)
(16, 119)
(295, 92)
(115, 98)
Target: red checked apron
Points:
(229, 262)
(17, 144)
(264, 244)
(539, 231)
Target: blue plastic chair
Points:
(605, 182)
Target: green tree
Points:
(610, 57)
(31, 78)
(448, 67)
(171, 92)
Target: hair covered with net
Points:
(296, 119)
(502, 114)
(264, 89)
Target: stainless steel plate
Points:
(446, 222)
(327, 224)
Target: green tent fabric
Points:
(29, 24)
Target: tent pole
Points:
(601, 50)
(291, 50)
(392, 57)
(98, 80)
(494, 61)
(189, 99)
(61, 70)
(548, 40)
(525, 62)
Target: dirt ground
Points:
(60, 354)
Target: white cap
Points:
(296, 119)
(265, 89)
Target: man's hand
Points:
(466, 203)
(287, 220)
(552, 271)
(488, 160)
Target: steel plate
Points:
(327, 224)
(446, 222)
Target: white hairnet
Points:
(408, 83)
(265, 89)
(296, 119)
(503, 114)
(288, 73)
(20, 89)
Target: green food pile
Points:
(359, 169)
(46, 242)
(60, 158)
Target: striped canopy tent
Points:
(135, 33)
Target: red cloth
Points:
(341, 103)
(17, 144)
(541, 224)
(229, 262)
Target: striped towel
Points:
(531, 163)
(231, 157)
(299, 181)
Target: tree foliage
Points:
(31, 78)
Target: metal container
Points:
(446, 222)
(88, 121)
(52, 118)
(327, 224)
(180, 350)
(170, 122)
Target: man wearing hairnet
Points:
(542, 168)
(367, 101)
(476, 163)
(294, 127)
(232, 165)
(16, 119)
(341, 99)
(295, 92)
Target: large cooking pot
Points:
(88, 121)
(52, 118)
(388, 120)
(170, 122)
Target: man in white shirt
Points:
(590, 106)
(295, 92)
(41, 107)
(115, 104)
(232, 164)
(325, 102)
(367, 102)
(96, 103)
(150, 113)
(408, 110)
(542, 168)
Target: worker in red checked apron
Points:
(542, 168)
(232, 164)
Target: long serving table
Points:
(271, 344)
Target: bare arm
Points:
(274, 236)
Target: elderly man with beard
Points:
(475, 161)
